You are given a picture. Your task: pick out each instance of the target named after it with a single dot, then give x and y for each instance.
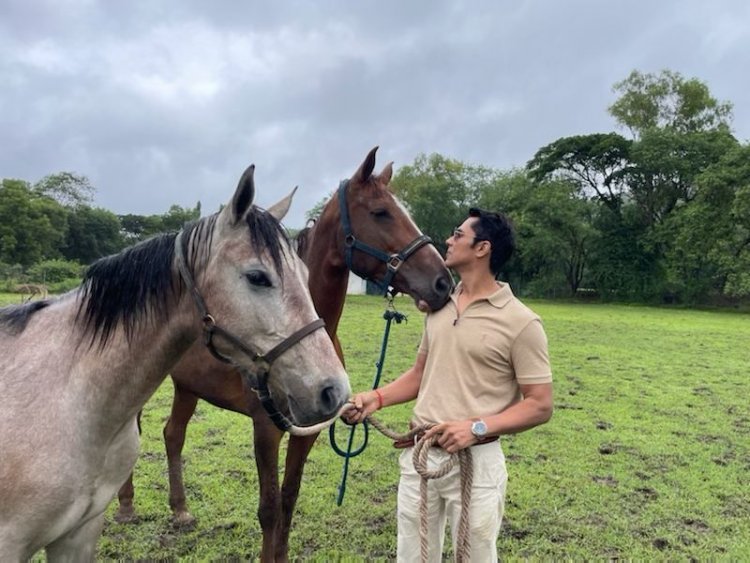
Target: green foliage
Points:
(665, 164)
(623, 267)
(667, 101)
(663, 216)
(596, 163)
(54, 271)
(92, 233)
(136, 228)
(32, 226)
(317, 209)
(709, 250)
(67, 188)
(645, 458)
(439, 191)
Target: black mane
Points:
(121, 288)
(136, 284)
(15, 317)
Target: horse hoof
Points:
(183, 520)
(125, 516)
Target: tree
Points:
(67, 188)
(667, 101)
(92, 233)
(664, 165)
(553, 231)
(595, 163)
(709, 251)
(176, 217)
(32, 226)
(317, 209)
(439, 191)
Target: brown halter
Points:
(261, 361)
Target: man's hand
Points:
(454, 435)
(363, 405)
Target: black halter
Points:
(262, 361)
(392, 261)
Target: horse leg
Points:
(183, 407)
(126, 511)
(79, 544)
(266, 443)
(297, 451)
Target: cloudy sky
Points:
(163, 102)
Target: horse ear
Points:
(280, 209)
(365, 169)
(387, 173)
(244, 195)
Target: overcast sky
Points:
(166, 102)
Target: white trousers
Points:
(444, 504)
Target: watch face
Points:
(479, 428)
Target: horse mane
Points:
(302, 238)
(15, 317)
(124, 287)
(135, 285)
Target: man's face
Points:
(460, 244)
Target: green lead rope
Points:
(390, 315)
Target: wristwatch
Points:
(479, 428)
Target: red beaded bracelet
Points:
(380, 399)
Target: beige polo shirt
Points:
(476, 362)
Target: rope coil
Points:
(466, 474)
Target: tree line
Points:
(657, 213)
(49, 231)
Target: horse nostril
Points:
(329, 399)
(443, 285)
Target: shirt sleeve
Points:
(424, 346)
(530, 356)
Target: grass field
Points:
(647, 456)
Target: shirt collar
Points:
(499, 299)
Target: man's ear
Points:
(483, 248)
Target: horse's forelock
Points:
(267, 235)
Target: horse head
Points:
(257, 311)
(381, 242)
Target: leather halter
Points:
(261, 361)
(392, 261)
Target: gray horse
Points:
(75, 370)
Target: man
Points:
(482, 370)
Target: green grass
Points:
(647, 456)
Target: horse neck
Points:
(143, 362)
(328, 274)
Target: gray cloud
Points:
(166, 102)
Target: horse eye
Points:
(380, 213)
(258, 277)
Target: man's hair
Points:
(498, 231)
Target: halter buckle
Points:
(394, 262)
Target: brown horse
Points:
(375, 238)
(75, 370)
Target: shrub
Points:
(51, 272)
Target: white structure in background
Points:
(356, 285)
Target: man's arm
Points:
(400, 390)
(534, 409)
